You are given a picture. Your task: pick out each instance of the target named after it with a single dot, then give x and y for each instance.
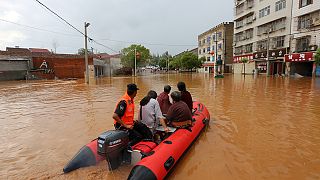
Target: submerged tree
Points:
(128, 55)
(244, 61)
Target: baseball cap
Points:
(132, 87)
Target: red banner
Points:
(299, 57)
(237, 59)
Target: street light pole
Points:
(268, 44)
(86, 51)
(135, 61)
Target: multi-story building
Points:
(216, 45)
(305, 37)
(262, 35)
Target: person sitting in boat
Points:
(185, 95)
(179, 114)
(124, 114)
(163, 99)
(150, 113)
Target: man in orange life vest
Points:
(124, 117)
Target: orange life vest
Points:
(128, 116)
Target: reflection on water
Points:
(261, 128)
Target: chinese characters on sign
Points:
(299, 57)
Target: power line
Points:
(151, 44)
(36, 28)
(74, 27)
(60, 17)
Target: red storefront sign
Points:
(299, 57)
(237, 59)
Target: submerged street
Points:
(261, 127)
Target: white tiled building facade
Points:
(277, 36)
(261, 27)
(305, 37)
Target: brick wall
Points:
(60, 67)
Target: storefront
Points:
(208, 67)
(276, 61)
(238, 66)
(301, 63)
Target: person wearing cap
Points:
(124, 116)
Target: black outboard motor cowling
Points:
(113, 145)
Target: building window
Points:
(208, 58)
(199, 43)
(214, 37)
(220, 46)
(238, 50)
(303, 44)
(264, 12)
(304, 22)
(248, 48)
(205, 68)
(208, 39)
(239, 24)
(213, 49)
(204, 50)
(262, 45)
(203, 41)
(303, 3)
(219, 35)
(280, 5)
(279, 41)
(208, 49)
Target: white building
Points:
(305, 37)
(262, 34)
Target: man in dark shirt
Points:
(185, 95)
(124, 117)
(163, 99)
(178, 113)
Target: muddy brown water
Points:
(261, 127)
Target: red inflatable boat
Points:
(150, 160)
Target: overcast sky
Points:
(159, 25)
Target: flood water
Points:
(261, 127)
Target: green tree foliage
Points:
(244, 61)
(187, 61)
(82, 51)
(317, 57)
(127, 58)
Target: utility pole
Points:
(135, 61)
(216, 53)
(268, 45)
(86, 52)
(167, 53)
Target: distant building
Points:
(262, 34)
(216, 44)
(111, 63)
(14, 67)
(305, 37)
(22, 63)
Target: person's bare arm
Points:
(117, 118)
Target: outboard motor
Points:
(113, 146)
